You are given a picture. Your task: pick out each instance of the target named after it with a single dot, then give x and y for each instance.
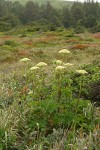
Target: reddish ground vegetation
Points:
(24, 90)
(46, 39)
(28, 42)
(24, 53)
(93, 45)
(97, 35)
(84, 46)
(6, 37)
(52, 38)
(72, 41)
(80, 46)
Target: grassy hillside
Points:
(44, 101)
(49, 85)
(55, 3)
(39, 1)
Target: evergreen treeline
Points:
(79, 16)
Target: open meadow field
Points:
(49, 90)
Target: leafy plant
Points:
(90, 79)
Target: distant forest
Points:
(79, 15)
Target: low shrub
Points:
(23, 35)
(67, 33)
(94, 92)
(96, 28)
(79, 29)
(90, 84)
(10, 43)
(4, 26)
(97, 35)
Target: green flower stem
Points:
(59, 93)
(80, 91)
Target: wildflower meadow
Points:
(49, 93)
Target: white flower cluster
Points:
(64, 51)
(41, 64)
(25, 60)
(60, 68)
(34, 68)
(81, 72)
(58, 62)
(68, 64)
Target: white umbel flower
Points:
(81, 71)
(68, 64)
(58, 62)
(25, 60)
(59, 68)
(34, 68)
(41, 64)
(64, 51)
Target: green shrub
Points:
(94, 92)
(60, 29)
(79, 29)
(4, 26)
(96, 28)
(11, 43)
(67, 33)
(49, 115)
(33, 29)
(10, 19)
(90, 79)
(52, 27)
(23, 35)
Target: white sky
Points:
(79, 0)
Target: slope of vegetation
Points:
(80, 16)
(42, 107)
(49, 77)
(55, 3)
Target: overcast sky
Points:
(80, 0)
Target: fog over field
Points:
(54, 0)
(80, 0)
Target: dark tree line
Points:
(85, 14)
